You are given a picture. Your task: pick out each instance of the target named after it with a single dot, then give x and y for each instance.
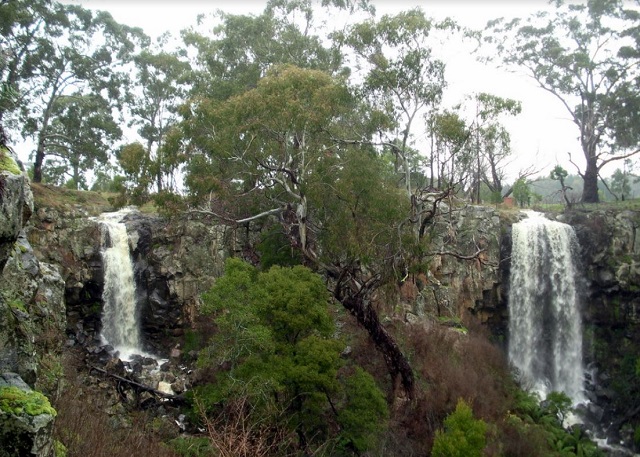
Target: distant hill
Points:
(549, 189)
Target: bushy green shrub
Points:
(274, 353)
(463, 435)
(275, 249)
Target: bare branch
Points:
(457, 255)
(237, 221)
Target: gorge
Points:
(175, 261)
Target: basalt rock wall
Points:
(175, 261)
(611, 313)
(32, 323)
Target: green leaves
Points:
(581, 54)
(293, 303)
(463, 435)
(274, 343)
(64, 65)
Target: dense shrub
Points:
(277, 376)
(463, 436)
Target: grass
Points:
(95, 203)
(633, 205)
(48, 196)
(85, 428)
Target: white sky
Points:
(541, 135)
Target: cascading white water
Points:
(545, 328)
(120, 326)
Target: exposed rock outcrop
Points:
(32, 323)
(26, 419)
(611, 313)
(175, 261)
(452, 286)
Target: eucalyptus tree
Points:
(450, 160)
(620, 182)
(240, 49)
(60, 55)
(160, 84)
(491, 142)
(586, 55)
(273, 152)
(560, 174)
(402, 77)
(79, 137)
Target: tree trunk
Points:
(590, 189)
(357, 301)
(354, 295)
(37, 163)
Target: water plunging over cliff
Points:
(545, 327)
(120, 326)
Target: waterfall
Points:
(545, 328)
(120, 326)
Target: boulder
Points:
(26, 419)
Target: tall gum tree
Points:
(239, 49)
(58, 55)
(491, 141)
(401, 76)
(586, 55)
(273, 146)
(161, 80)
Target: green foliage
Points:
(168, 203)
(636, 436)
(522, 192)
(275, 340)
(275, 249)
(64, 66)
(542, 423)
(363, 417)
(559, 174)
(18, 304)
(559, 404)
(192, 446)
(404, 77)
(105, 183)
(162, 81)
(463, 436)
(14, 400)
(620, 184)
(553, 47)
(361, 207)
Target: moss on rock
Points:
(7, 163)
(14, 400)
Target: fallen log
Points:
(177, 399)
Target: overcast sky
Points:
(542, 135)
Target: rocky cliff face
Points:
(611, 261)
(175, 261)
(453, 287)
(32, 324)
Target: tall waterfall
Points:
(545, 327)
(120, 326)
